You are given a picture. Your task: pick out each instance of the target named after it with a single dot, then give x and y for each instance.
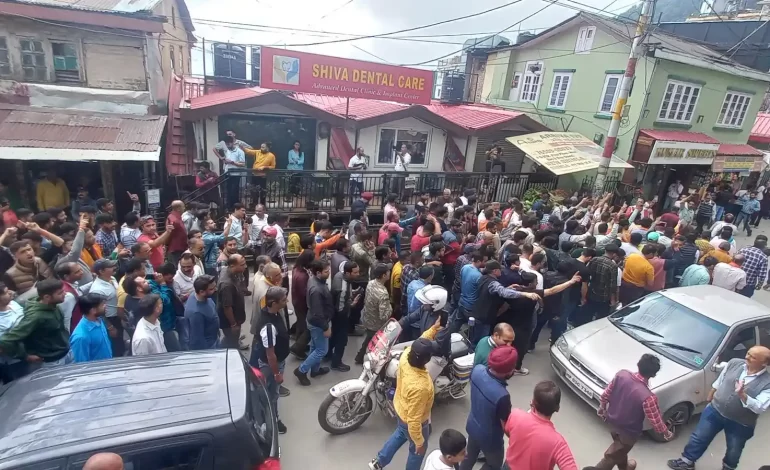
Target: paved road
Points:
(306, 445)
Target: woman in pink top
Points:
(533, 442)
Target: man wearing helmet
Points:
(432, 300)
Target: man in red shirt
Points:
(625, 403)
(150, 236)
(178, 242)
(671, 219)
(533, 442)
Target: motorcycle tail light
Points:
(269, 464)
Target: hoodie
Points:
(41, 332)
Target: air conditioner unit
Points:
(229, 61)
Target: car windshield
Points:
(671, 329)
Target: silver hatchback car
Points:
(693, 330)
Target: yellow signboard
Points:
(563, 152)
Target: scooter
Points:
(350, 403)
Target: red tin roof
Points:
(471, 116)
(760, 132)
(738, 150)
(680, 136)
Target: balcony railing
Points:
(333, 191)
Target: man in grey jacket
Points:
(320, 311)
(738, 396)
(77, 247)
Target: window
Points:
(764, 333)
(679, 102)
(392, 139)
(33, 60)
(181, 59)
(259, 413)
(734, 109)
(5, 61)
(169, 457)
(559, 90)
(513, 94)
(173, 62)
(610, 93)
(530, 88)
(741, 340)
(65, 62)
(585, 40)
(173, 17)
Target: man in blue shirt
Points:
(201, 315)
(89, 340)
(426, 276)
(750, 206)
(469, 292)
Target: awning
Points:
(679, 147)
(564, 152)
(28, 133)
(737, 158)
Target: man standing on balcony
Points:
(230, 153)
(264, 159)
(357, 163)
(402, 161)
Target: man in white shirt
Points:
(258, 222)
(730, 276)
(357, 163)
(234, 159)
(186, 274)
(148, 336)
(674, 190)
(401, 165)
(537, 262)
(70, 274)
(238, 220)
(728, 222)
(106, 287)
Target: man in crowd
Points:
(413, 401)
(755, 265)
(490, 408)
(90, 340)
(271, 345)
(239, 228)
(185, 276)
(211, 244)
(625, 404)
(600, 293)
(319, 317)
(750, 206)
(532, 437)
(11, 314)
(106, 287)
(502, 335)
(156, 242)
(344, 298)
(377, 307)
(105, 236)
(470, 274)
(230, 300)
(356, 164)
(177, 243)
(40, 338)
(638, 273)
(201, 315)
(258, 223)
(698, 274)
(28, 269)
(148, 337)
(52, 191)
(730, 276)
(738, 396)
(722, 253)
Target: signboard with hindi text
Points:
(283, 69)
(732, 164)
(563, 152)
(666, 152)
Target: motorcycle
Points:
(350, 403)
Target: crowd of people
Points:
(78, 288)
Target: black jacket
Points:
(320, 305)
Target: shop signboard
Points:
(730, 164)
(283, 69)
(666, 152)
(563, 152)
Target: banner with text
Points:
(666, 152)
(563, 152)
(282, 69)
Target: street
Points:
(306, 444)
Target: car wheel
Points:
(675, 417)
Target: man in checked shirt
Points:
(755, 265)
(625, 403)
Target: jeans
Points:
(12, 371)
(356, 187)
(748, 291)
(745, 218)
(233, 190)
(542, 319)
(710, 424)
(399, 438)
(494, 453)
(271, 385)
(319, 346)
(592, 308)
(338, 340)
(118, 345)
(720, 211)
(69, 358)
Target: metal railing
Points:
(334, 191)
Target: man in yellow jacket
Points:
(413, 402)
(264, 159)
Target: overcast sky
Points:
(365, 17)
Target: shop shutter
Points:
(512, 155)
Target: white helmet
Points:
(432, 295)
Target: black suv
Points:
(182, 411)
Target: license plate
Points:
(579, 385)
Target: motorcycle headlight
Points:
(368, 365)
(562, 345)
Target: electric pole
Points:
(625, 89)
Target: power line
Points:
(348, 2)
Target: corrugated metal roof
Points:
(58, 128)
(471, 116)
(115, 6)
(680, 136)
(761, 129)
(228, 96)
(738, 149)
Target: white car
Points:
(693, 330)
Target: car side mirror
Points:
(718, 366)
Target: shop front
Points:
(662, 158)
(738, 164)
